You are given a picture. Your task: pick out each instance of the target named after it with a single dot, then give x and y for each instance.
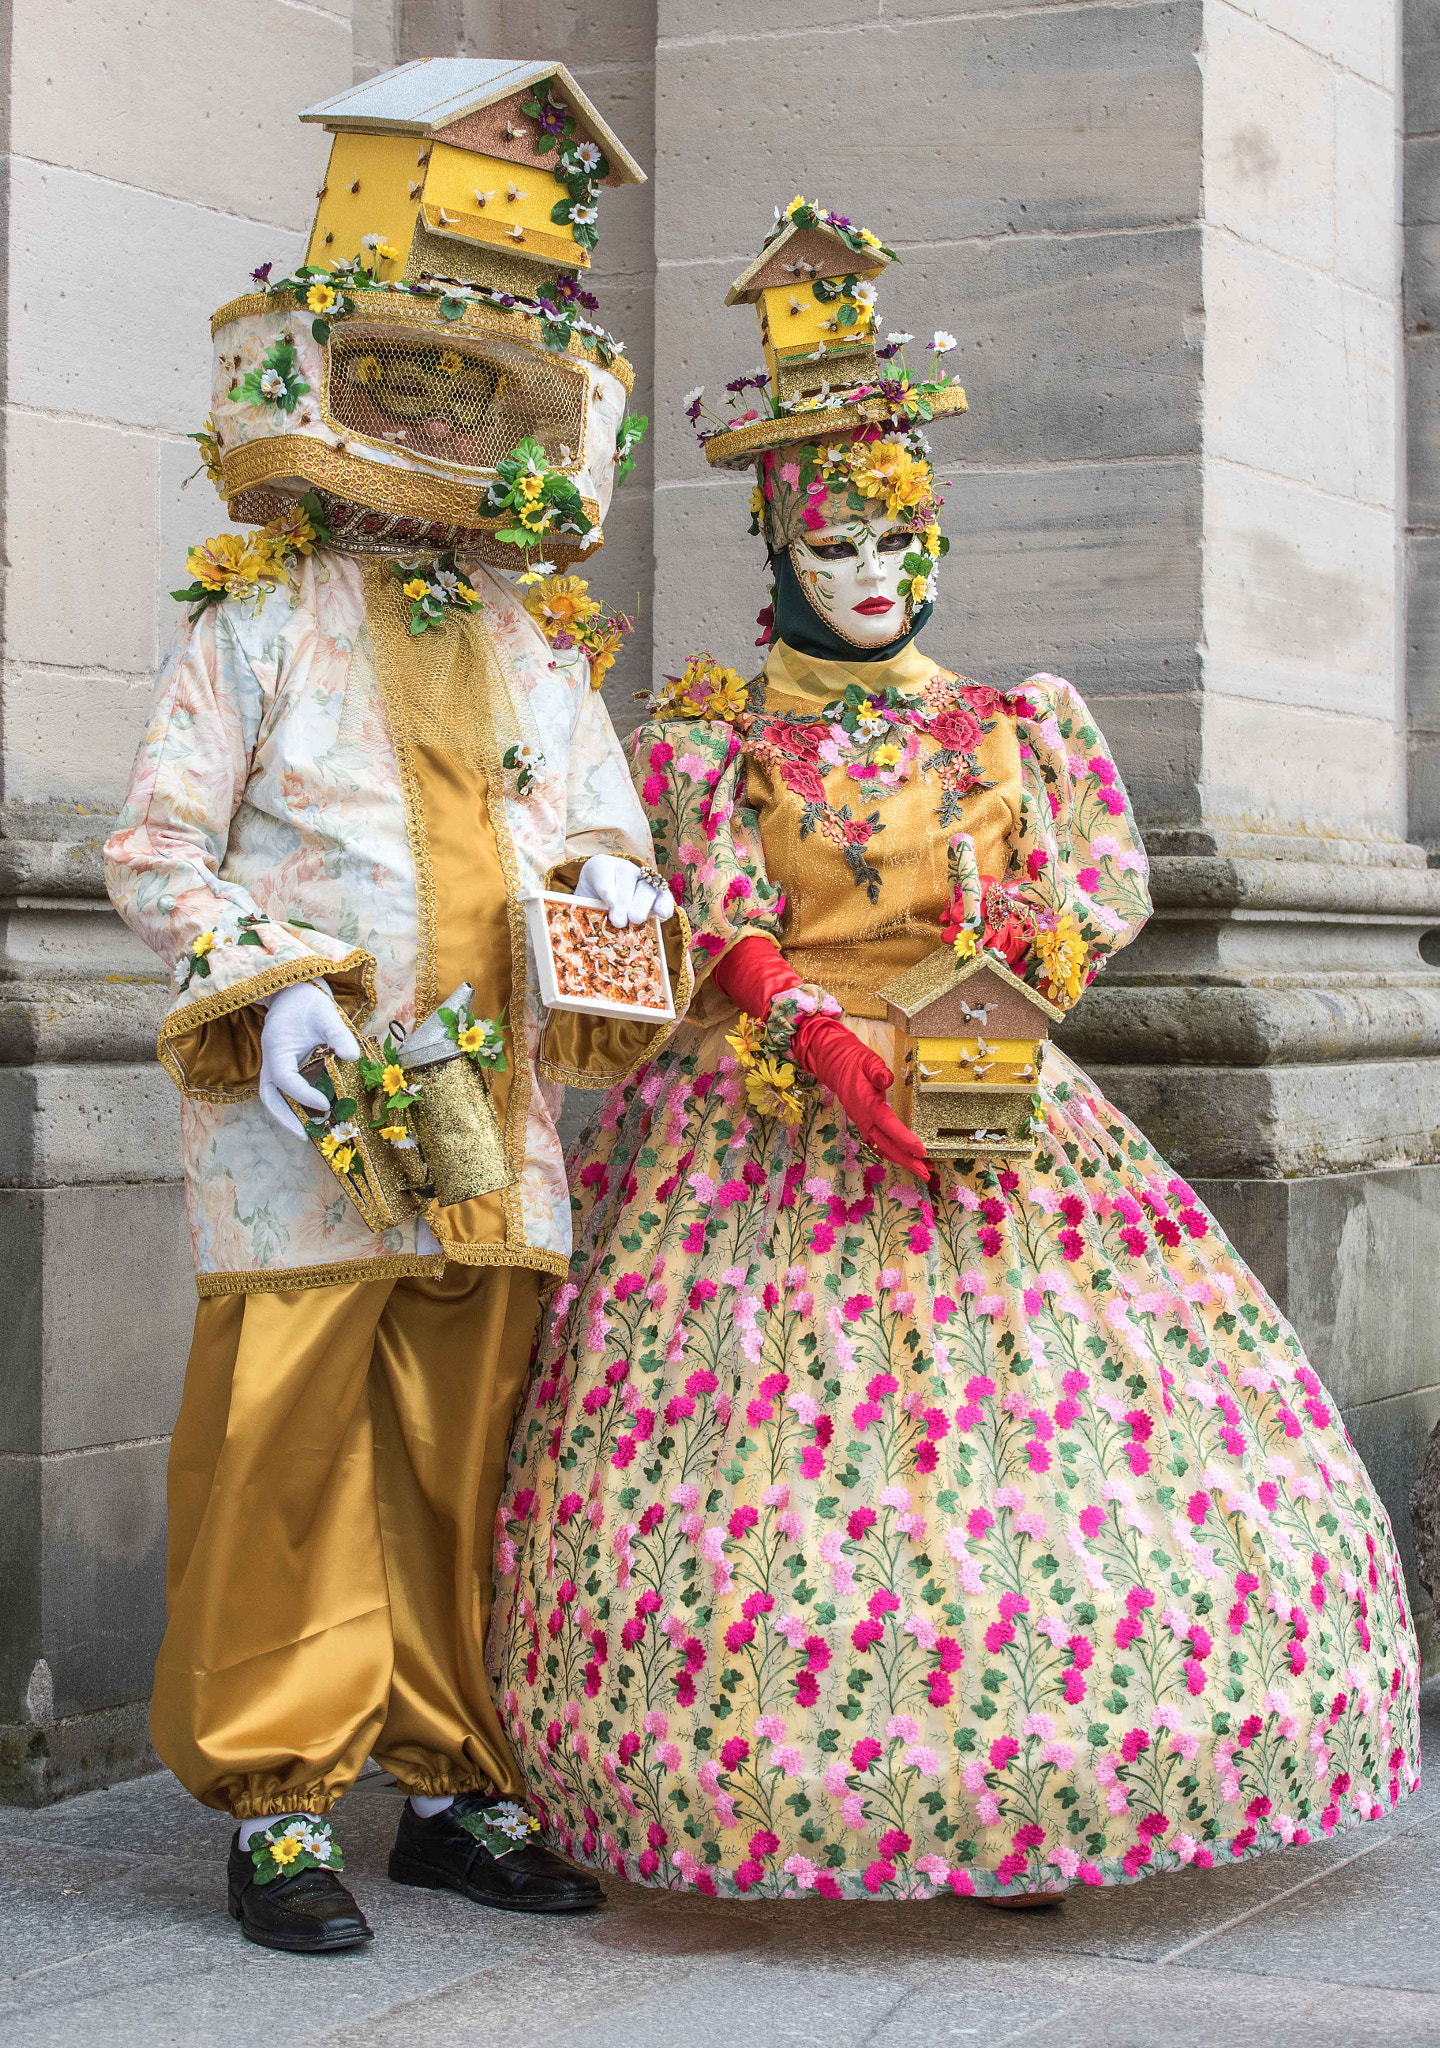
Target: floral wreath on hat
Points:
(803, 489)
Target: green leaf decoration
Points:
(286, 1851)
(452, 309)
(502, 1827)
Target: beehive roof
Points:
(434, 93)
(939, 974)
(822, 251)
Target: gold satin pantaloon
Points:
(333, 1481)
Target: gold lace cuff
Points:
(211, 1048)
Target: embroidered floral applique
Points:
(879, 739)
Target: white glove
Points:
(629, 896)
(297, 1020)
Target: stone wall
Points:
(1422, 364)
(152, 164)
(1168, 235)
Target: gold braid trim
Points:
(517, 1108)
(384, 1266)
(241, 995)
(514, 323)
(377, 486)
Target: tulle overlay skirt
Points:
(863, 1544)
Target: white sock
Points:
(251, 1828)
(428, 1808)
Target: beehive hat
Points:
(827, 375)
(433, 355)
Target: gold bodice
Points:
(834, 933)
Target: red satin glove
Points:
(860, 1080)
(752, 974)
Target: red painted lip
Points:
(873, 606)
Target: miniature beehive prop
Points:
(974, 1037)
(483, 170)
(815, 325)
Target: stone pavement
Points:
(113, 1934)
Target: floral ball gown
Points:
(862, 1540)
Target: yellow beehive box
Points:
(465, 167)
(974, 1036)
(812, 290)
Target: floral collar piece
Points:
(250, 565)
(570, 617)
(433, 588)
(706, 689)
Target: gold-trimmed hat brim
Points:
(293, 463)
(739, 447)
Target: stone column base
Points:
(44, 1761)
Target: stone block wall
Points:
(1422, 441)
(151, 166)
(1169, 236)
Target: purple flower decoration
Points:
(262, 275)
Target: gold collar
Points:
(809, 680)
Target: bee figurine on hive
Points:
(974, 1037)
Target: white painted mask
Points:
(851, 574)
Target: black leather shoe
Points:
(308, 1914)
(453, 1852)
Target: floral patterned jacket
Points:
(268, 837)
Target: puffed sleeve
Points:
(690, 775)
(1077, 849)
(163, 870)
